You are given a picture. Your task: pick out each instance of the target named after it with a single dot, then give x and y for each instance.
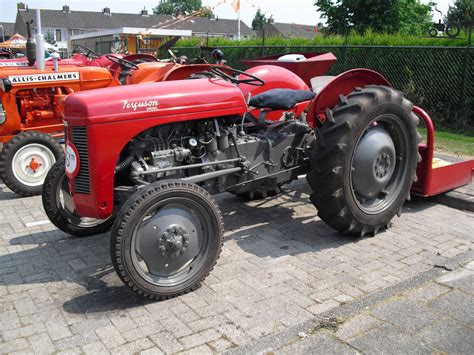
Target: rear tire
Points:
(364, 159)
(59, 206)
(166, 239)
(26, 159)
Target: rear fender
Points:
(342, 84)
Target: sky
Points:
(290, 11)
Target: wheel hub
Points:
(382, 165)
(173, 242)
(373, 163)
(34, 165)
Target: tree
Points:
(259, 20)
(49, 37)
(182, 7)
(462, 13)
(414, 17)
(379, 15)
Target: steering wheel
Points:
(122, 62)
(198, 60)
(87, 51)
(253, 80)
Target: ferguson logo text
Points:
(146, 105)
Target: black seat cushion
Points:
(280, 99)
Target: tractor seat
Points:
(280, 99)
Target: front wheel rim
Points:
(171, 242)
(31, 163)
(376, 182)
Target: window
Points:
(58, 36)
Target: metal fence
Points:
(439, 79)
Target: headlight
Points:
(72, 162)
(3, 115)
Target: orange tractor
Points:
(31, 120)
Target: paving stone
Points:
(176, 327)
(426, 293)
(25, 307)
(95, 348)
(388, 340)
(323, 307)
(89, 325)
(206, 323)
(449, 338)
(167, 342)
(13, 345)
(133, 347)
(406, 315)
(141, 332)
(456, 304)
(194, 340)
(201, 349)
(234, 334)
(357, 325)
(152, 351)
(462, 279)
(22, 332)
(320, 343)
(41, 343)
(110, 336)
(58, 329)
(221, 344)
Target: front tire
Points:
(364, 159)
(59, 206)
(433, 32)
(166, 239)
(26, 159)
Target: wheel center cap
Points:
(34, 165)
(382, 165)
(173, 241)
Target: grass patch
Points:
(451, 143)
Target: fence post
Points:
(462, 101)
(344, 51)
(263, 43)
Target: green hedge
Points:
(367, 39)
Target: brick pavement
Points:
(280, 267)
(431, 313)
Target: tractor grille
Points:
(81, 181)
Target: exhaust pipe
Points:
(30, 45)
(39, 42)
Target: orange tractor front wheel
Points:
(26, 159)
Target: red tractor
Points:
(146, 160)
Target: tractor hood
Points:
(171, 100)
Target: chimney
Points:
(106, 11)
(144, 12)
(66, 9)
(21, 6)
